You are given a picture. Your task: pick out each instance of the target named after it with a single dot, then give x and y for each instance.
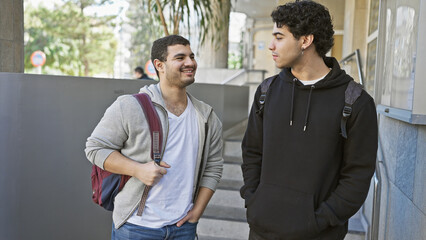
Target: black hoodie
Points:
(302, 179)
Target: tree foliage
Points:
(143, 31)
(74, 43)
(190, 13)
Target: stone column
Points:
(355, 27)
(12, 36)
(213, 55)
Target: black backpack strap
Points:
(353, 91)
(264, 86)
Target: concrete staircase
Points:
(356, 230)
(225, 216)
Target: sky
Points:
(109, 9)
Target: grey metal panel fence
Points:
(45, 188)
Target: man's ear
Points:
(307, 40)
(159, 65)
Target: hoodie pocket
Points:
(283, 211)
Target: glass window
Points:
(399, 48)
(371, 67)
(373, 22)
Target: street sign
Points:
(150, 69)
(38, 58)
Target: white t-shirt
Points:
(312, 82)
(171, 198)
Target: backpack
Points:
(106, 185)
(352, 92)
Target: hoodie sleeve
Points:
(252, 151)
(358, 166)
(108, 136)
(214, 165)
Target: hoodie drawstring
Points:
(292, 101)
(307, 109)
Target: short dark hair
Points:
(304, 18)
(159, 47)
(139, 70)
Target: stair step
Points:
(351, 236)
(214, 238)
(227, 198)
(228, 184)
(233, 160)
(355, 225)
(237, 131)
(222, 218)
(232, 148)
(232, 172)
(222, 229)
(225, 213)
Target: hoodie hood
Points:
(336, 77)
(154, 92)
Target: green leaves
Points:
(202, 14)
(143, 30)
(74, 43)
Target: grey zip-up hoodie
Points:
(124, 128)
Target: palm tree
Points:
(208, 13)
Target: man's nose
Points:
(271, 46)
(189, 61)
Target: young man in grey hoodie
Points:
(192, 163)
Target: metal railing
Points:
(245, 77)
(350, 58)
(373, 229)
(380, 177)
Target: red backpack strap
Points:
(156, 131)
(154, 123)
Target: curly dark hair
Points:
(304, 18)
(159, 47)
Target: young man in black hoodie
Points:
(302, 179)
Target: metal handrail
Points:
(236, 75)
(358, 61)
(373, 233)
(378, 180)
(381, 171)
(242, 72)
(257, 70)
